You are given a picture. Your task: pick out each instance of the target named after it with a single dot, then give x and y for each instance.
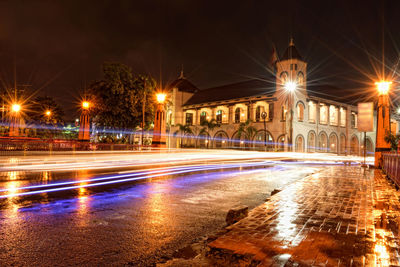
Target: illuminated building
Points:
(324, 118)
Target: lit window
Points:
(353, 120)
(219, 116)
(300, 112)
(312, 112)
(323, 114)
(333, 115)
(203, 117)
(189, 118)
(237, 115)
(342, 117)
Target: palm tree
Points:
(208, 128)
(183, 129)
(246, 130)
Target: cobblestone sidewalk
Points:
(342, 216)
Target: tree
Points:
(40, 105)
(392, 139)
(183, 129)
(118, 98)
(45, 117)
(208, 128)
(246, 130)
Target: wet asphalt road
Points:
(134, 223)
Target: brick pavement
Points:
(341, 216)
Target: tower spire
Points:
(181, 76)
(291, 43)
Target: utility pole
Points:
(143, 112)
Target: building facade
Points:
(298, 117)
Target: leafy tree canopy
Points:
(119, 97)
(38, 108)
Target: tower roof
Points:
(183, 85)
(291, 52)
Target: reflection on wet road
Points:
(130, 216)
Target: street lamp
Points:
(16, 108)
(15, 119)
(264, 117)
(383, 121)
(383, 87)
(84, 127)
(85, 105)
(48, 113)
(159, 130)
(161, 98)
(291, 87)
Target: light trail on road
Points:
(121, 178)
(101, 160)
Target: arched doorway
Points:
(188, 141)
(203, 140)
(237, 142)
(354, 145)
(221, 139)
(299, 146)
(311, 142)
(259, 140)
(322, 142)
(370, 147)
(342, 144)
(280, 146)
(333, 143)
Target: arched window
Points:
(237, 115)
(300, 78)
(323, 114)
(311, 142)
(323, 142)
(300, 112)
(333, 146)
(354, 145)
(342, 144)
(203, 117)
(299, 145)
(258, 113)
(312, 112)
(281, 143)
(353, 120)
(219, 116)
(283, 114)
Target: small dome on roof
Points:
(291, 52)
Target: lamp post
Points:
(383, 121)
(159, 131)
(84, 127)
(264, 117)
(15, 119)
(291, 88)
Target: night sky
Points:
(59, 46)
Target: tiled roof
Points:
(329, 92)
(183, 85)
(234, 91)
(291, 53)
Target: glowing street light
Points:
(290, 86)
(85, 105)
(383, 87)
(16, 108)
(161, 98)
(48, 113)
(398, 110)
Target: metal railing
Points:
(10, 145)
(391, 166)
